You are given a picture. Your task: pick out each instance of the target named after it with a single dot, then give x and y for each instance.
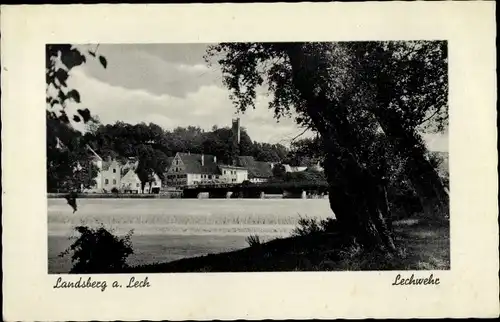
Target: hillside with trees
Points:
(150, 144)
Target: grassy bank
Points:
(423, 246)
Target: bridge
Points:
(255, 190)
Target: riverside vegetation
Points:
(315, 245)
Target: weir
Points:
(256, 191)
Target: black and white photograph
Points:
(249, 161)
(244, 157)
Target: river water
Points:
(170, 229)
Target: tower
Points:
(236, 131)
(235, 141)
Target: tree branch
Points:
(427, 119)
(302, 133)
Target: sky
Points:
(171, 85)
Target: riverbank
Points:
(423, 247)
(210, 235)
(167, 230)
(165, 195)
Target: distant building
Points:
(232, 174)
(190, 169)
(258, 171)
(113, 175)
(236, 138)
(108, 174)
(202, 169)
(131, 183)
(289, 168)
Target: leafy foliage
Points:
(253, 240)
(279, 171)
(363, 99)
(97, 250)
(60, 59)
(308, 226)
(69, 165)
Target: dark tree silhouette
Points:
(333, 91)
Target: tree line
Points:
(149, 144)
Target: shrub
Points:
(306, 226)
(329, 225)
(114, 190)
(253, 240)
(99, 251)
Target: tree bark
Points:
(424, 178)
(353, 190)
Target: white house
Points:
(258, 171)
(195, 169)
(108, 174)
(192, 169)
(130, 183)
(115, 176)
(232, 174)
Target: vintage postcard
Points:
(253, 161)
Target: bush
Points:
(99, 251)
(253, 240)
(329, 225)
(308, 226)
(114, 190)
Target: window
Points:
(224, 171)
(114, 180)
(106, 181)
(137, 185)
(114, 170)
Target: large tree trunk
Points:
(353, 191)
(357, 205)
(424, 178)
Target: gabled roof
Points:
(232, 167)
(193, 163)
(256, 169)
(108, 163)
(131, 164)
(169, 162)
